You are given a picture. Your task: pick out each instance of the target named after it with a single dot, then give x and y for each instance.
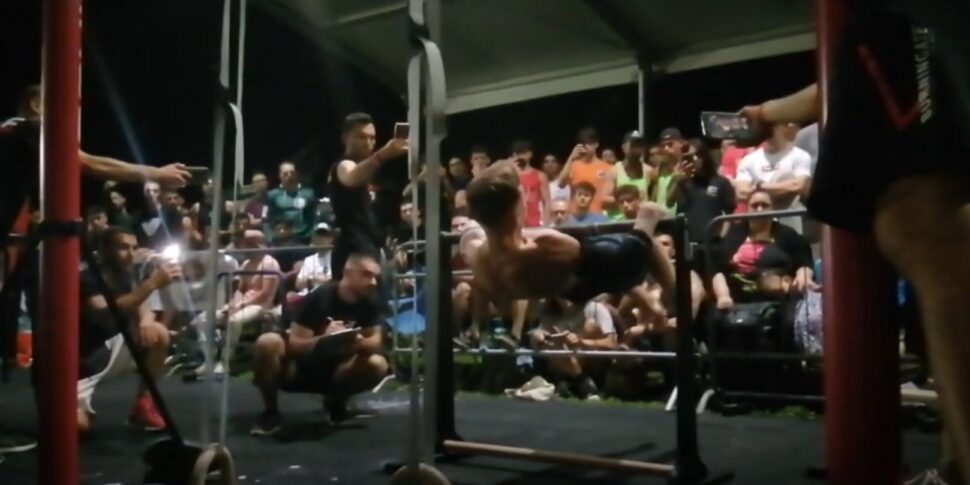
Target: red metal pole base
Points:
(862, 430)
(58, 333)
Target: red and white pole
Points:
(862, 431)
(61, 195)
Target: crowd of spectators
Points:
(280, 240)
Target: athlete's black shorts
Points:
(897, 109)
(610, 263)
(313, 374)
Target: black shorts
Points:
(610, 263)
(894, 112)
(312, 375)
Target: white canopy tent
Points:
(505, 51)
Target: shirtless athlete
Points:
(509, 263)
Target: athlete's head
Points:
(494, 199)
(358, 136)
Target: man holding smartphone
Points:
(352, 208)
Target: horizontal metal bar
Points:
(771, 395)
(584, 230)
(558, 457)
(266, 250)
(404, 276)
(557, 353)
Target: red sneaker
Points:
(145, 415)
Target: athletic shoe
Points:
(14, 443)
(562, 390)
(506, 342)
(584, 388)
(145, 415)
(268, 424)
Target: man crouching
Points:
(333, 345)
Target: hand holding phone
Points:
(721, 125)
(200, 175)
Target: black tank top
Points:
(353, 212)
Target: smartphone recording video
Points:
(720, 126)
(401, 130)
(200, 175)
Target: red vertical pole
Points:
(61, 196)
(862, 431)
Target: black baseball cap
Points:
(671, 134)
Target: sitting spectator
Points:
(255, 296)
(118, 215)
(293, 203)
(628, 198)
(584, 167)
(95, 222)
(315, 270)
(148, 221)
(458, 173)
(582, 214)
(779, 168)
(302, 361)
(608, 156)
(567, 326)
(533, 183)
(102, 351)
(283, 238)
(559, 212)
(480, 159)
(761, 259)
(256, 208)
(552, 167)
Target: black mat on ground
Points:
(760, 450)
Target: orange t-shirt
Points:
(595, 172)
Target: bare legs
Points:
(923, 227)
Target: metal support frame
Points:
(61, 200)
(688, 468)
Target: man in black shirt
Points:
(895, 163)
(353, 211)
(312, 359)
(102, 349)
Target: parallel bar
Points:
(690, 467)
(558, 457)
(555, 353)
(585, 230)
(61, 199)
(774, 396)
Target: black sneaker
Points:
(585, 388)
(562, 390)
(13, 443)
(269, 423)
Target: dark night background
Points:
(157, 58)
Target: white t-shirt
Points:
(792, 162)
(573, 320)
(315, 265)
(556, 192)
